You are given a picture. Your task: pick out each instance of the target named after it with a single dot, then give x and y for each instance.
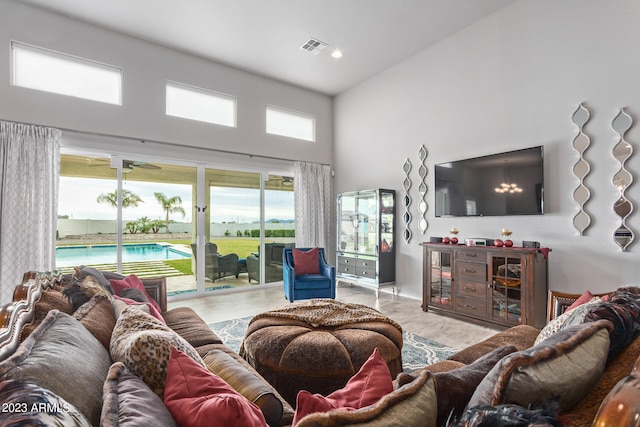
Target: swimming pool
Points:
(69, 256)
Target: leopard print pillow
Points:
(144, 344)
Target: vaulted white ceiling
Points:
(264, 36)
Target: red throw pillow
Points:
(133, 281)
(196, 397)
(584, 298)
(306, 262)
(372, 382)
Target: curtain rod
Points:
(169, 144)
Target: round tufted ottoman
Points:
(317, 345)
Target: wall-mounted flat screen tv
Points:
(509, 183)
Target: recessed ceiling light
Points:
(337, 53)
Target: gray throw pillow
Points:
(27, 404)
(129, 402)
(562, 368)
(61, 355)
(134, 294)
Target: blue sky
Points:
(78, 200)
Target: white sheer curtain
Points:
(313, 204)
(29, 171)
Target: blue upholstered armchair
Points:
(308, 286)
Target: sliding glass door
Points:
(166, 219)
(233, 227)
(239, 222)
(140, 225)
(87, 212)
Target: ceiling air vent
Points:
(314, 46)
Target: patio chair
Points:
(273, 260)
(217, 266)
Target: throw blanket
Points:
(325, 312)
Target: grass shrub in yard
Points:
(241, 246)
(182, 265)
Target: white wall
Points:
(512, 80)
(146, 67)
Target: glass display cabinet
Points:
(439, 269)
(506, 288)
(366, 236)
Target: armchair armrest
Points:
(288, 272)
(17, 313)
(156, 287)
(326, 269)
(558, 302)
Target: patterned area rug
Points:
(417, 351)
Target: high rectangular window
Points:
(204, 105)
(291, 123)
(55, 72)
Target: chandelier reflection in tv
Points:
(508, 188)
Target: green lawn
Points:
(182, 265)
(242, 246)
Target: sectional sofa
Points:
(40, 313)
(92, 359)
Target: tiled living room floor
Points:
(407, 312)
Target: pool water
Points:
(69, 256)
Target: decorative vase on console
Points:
(505, 240)
(454, 236)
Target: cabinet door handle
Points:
(472, 307)
(472, 255)
(469, 270)
(466, 288)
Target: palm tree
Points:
(128, 199)
(169, 205)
